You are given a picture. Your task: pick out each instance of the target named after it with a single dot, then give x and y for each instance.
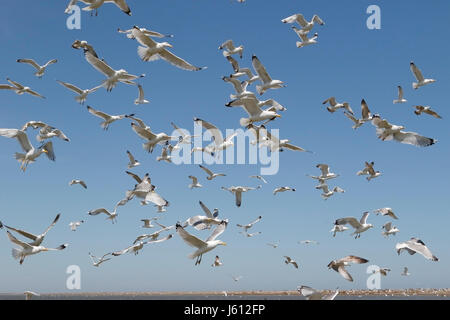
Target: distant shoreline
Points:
(385, 292)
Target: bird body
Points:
(359, 226)
(40, 69)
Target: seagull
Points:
(239, 72)
(239, 87)
(164, 156)
(112, 76)
(327, 192)
(386, 212)
(312, 294)
(218, 143)
(231, 49)
(325, 169)
(236, 278)
(382, 271)
(369, 170)
(95, 4)
(289, 260)
(366, 115)
(421, 81)
(389, 229)
(415, 245)
(28, 249)
(194, 183)
(96, 262)
(309, 242)
(217, 262)
(70, 5)
(111, 215)
(77, 181)
(276, 144)
(306, 25)
(249, 225)
(153, 50)
(160, 208)
(426, 109)
(82, 94)
(202, 246)
(200, 222)
(108, 119)
(400, 98)
(405, 272)
(133, 162)
(149, 33)
(140, 99)
(338, 228)
(259, 178)
(334, 105)
(152, 139)
(339, 265)
(267, 82)
(210, 174)
(237, 190)
(249, 235)
(183, 138)
(73, 225)
(148, 222)
(46, 131)
(256, 114)
(145, 190)
(387, 131)
(40, 69)
(83, 44)
(282, 189)
(304, 37)
(135, 248)
(19, 89)
(153, 236)
(359, 226)
(37, 239)
(31, 153)
(273, 245)
(30, 294)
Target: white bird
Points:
(82, 94)
(147, 32)
(184, 138)
(369, 170)
(386, 131)
(249, 235)
(338, 228)
(155, 235)
(217, 262)
(405, 272)
(96, 262)
(108, 119)
(421, 81)
(276, 144)
(133, 162)
(70, 5)
(31, 153)
(237, 191)
(140, 99)
(77, 181)
(164, 156)
(273, 245)
(231, 49)
(267, 81)
(112, 76)
(194, 183)
(325, 170)
(73, 225)
(153, 50)
(289, 260)
(30, 294)
(152, 138)
(259, 178)
(211, 175)
(46, 131)
(83, 44)
(135, 248)
(95, 4)
(427, 110)
(239, 87)
(202, 246)
(334, 105)
(40, 69)
(148, 222)
(300, 19)
(415, 245)
(312, 294)
(304, 37)
(236, 278)
(200, 222)
(27, 249)
(366, 115)
(110, 215)
(340, 264)
(389, 229)
(386, 212)
(36, 239)
(249, 225)
(400, 98)
(239, 72)
(252, 106)
(219, 143)
(282, 189)
(382, 271)
(160, 209)
(359, 226)
(19, 89)
(309, 242)
(326, 192)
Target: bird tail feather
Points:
(16, 253)
(244, 122)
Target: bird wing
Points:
(349, 220)
(216, 134)
(351, 117)
(70, 87)
(23, 233)
(143, 39)
(218, 231)
(343, 272)
(413, 138)
(155, 198)
(139, 121)
(324, 169)
(14, 83)
(98, 211)
(34, 93)
(19, 135)
(365, 112)
(206, 210)
(50, 62)
(209, 172)
(255, 221)
(416, 72)
(134, 176)
(234, 63)
(143, 133)
(251, 106)
(364, 218)
(99, 114)
(141, 92)
(238, 198)
(400, 93)
(130, 156)
(29, 61)
(83, 184)
(159, 240)
(122, 5)
(191, 240)
(98, 64)
(354, 259)
(194, 179)
(177, 61)
(52, 224)
(260, 70)
(432, 113)
(18, 242)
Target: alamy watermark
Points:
(73, 281)
(374, 20)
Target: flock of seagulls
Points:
(263, 112)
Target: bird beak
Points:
(44, 150)
(278, 116)
(171, 46)
(224, 243)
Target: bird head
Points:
(166, 44)
(222, 243)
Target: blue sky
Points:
(350, 62)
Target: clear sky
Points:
(349, 61)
